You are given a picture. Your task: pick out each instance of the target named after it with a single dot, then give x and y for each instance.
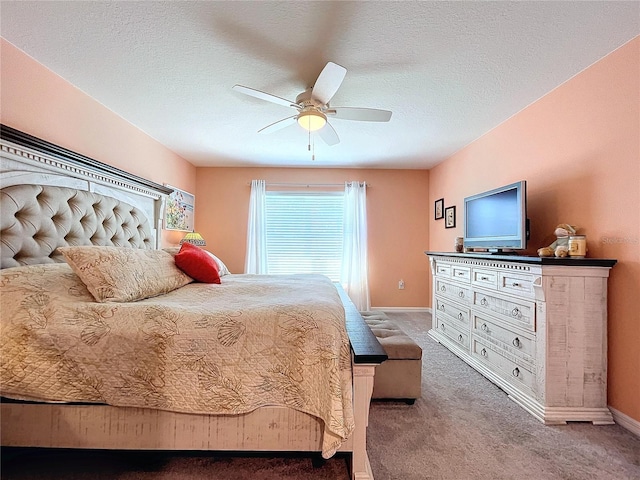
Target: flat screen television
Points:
(496, 221)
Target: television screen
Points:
(497, 219)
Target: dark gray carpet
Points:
(462, 428)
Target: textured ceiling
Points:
(449, 71)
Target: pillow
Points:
(222, 268)
(121, 274)
(196, 263)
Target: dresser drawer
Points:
(514, 311)
(485, 278)
(449, 330)
(520, 345)
(457, 314)
(519, 375)
(461, 274)
(460, 293)
(516, 284)
(443, 270)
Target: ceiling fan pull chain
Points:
(311, 147)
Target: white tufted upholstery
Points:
(35, 220)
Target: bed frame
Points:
(29, 160)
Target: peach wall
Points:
(397, 210)
(38, 102)
(579, 150)
(578, 147)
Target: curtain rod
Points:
(311, 185)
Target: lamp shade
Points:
(312, 120)
(194, 238)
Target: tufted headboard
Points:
(35, 220)
(51, 197)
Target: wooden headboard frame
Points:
(28, 160)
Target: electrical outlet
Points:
(401, 285)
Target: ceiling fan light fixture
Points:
(312, 120)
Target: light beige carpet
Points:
(463, 427)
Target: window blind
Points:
(304, 232)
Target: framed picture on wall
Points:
(179, 213)
(439, 209)
(450, 217)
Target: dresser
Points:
(536, 327)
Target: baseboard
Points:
(625, 421)
(403, 309)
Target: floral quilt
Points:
(251, 341)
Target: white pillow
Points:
(222, 268)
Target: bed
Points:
(223, 383)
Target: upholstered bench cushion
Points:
(400, 377)
(395, 342)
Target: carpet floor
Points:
(463, 427)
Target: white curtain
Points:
(355, 270)
(256, 260)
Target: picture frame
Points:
(438, 208)
(179, 210)
(450, 217)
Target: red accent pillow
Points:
(196, 263)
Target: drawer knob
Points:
(515, 284)
(460, 316)
(443, 288)
(483, 352)
(442, 326)
(460, 338)
(516, 342)
(484, 327)
(515, 312)
(460, 274)
(516, 372)
(461, 294)
(441, 307)
(484, 278)
(484, 302)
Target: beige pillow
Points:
(121, 274)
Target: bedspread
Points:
(252, 341)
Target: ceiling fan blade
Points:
(265, 96)
(361, 114)
(279, 125)
(329, 135)
(328, 82)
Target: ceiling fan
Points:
(313, 108)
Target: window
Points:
(304, 232)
